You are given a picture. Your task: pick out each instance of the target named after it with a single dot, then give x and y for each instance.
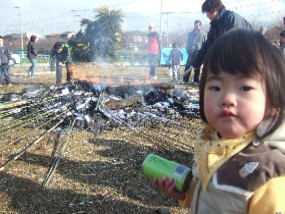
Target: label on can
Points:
(180, 170)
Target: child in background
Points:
(5, 56)
(240, 154)
(174, 58)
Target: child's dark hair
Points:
(174, 45)
(246, 52)
(211, 5)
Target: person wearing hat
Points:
(153, 48)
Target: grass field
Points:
(97, 173)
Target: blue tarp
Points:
(164, 57)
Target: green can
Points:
(157, 167)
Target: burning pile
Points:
(96, 107)
(93, 107)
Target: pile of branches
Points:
(93, 107)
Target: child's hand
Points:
(168, 187)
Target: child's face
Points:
(234, 104)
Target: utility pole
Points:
(21, 32)
(167, 31)
(160, 22)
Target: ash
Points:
(96, 107)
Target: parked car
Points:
(15, 59)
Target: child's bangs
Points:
(234, 60)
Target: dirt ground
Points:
(97, 173)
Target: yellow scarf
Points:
(211, 152)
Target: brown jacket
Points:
(250, 181)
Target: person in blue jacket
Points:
(222, 20)
(5, 56)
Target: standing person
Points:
(32, 55)
(282, 41)
(175, 57)
(52, 58)
(195, 41)
(222, 20)
(284, 22)
(62, 56)
(240, 154)
(5, 56)
(153, 49)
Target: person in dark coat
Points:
(62, 56)
(32, 55)
(222, 20)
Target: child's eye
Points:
(245, 88)
(214, 88)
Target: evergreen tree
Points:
(101, 38)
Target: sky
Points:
(57, 16)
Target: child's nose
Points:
(229, 100)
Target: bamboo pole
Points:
(58, 155)
(29, 146)
(31, 103)
(12, 104)
(33, 130)
(27, 118)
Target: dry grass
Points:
(97, 174)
